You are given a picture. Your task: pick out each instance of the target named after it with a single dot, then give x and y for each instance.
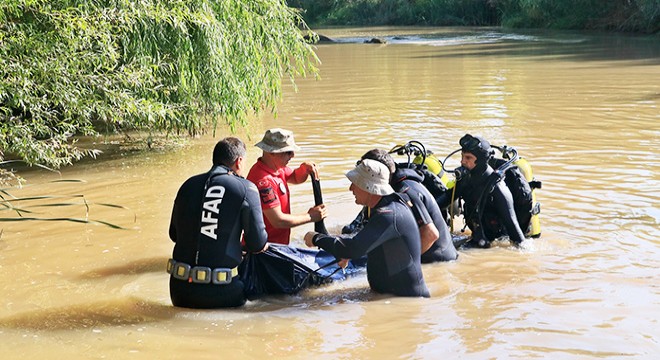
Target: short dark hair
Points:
(381, 156)
(227, 151)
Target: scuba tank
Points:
(432, 164)
(435, 179)
(535, 223)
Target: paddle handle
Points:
(319, 226)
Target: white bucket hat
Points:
(371, 176)
(277, 141)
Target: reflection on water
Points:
(125, 311)
(582, 108)
(133, 267)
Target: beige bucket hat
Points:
(277, 141)
(371, 176)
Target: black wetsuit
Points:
(210, 212)
(391, 241)
(497, 218)
(408, 181)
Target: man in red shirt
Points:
(272, 175)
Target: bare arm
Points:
(429, 234)
(283, 221)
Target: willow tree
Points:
(72, 67)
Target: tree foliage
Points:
(619, 15)
(76, 67)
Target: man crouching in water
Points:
(390, 239)
(210, 212)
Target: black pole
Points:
(319, 226)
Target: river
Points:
(581, 107)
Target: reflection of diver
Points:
(488, 204)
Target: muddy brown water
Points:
(581, 107)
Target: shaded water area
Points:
(582, 108)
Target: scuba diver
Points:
(489, 209)
(407, 179)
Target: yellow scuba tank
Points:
(451, 183)
(535, 223)
(434, 165)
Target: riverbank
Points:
(640, 16)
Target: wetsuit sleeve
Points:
(421, 214)
(504, 205)
(172, 230)
(372, 235)
(252, 220)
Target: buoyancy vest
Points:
(520, 191)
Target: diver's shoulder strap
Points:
(491, 182)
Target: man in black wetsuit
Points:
(390, 239)
(488, 203)
(210, 213)
(436, 240)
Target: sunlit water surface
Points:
(582, 108)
